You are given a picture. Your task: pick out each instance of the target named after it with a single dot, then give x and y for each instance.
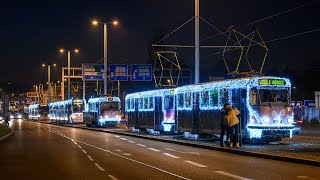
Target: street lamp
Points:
(69, 52)
(105, 52)
(49, 79)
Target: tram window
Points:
(254, 97)
(146, 103)
(224, 96)
(168, 102)
(180, 100)
(214, 97)
(140, 103)
(128, 104)
(188, 99)
(205, 99)
(131, 103)
(151, 102)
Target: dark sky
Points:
(32, 32)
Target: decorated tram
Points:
(103, 112)
(263, 101)
(38, 112)
(68, 111)
(151, 110)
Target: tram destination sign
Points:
(272, 82)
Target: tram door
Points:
(239, 100)
(136, 112)
(195, 113)
(158, 115)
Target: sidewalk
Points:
(302, 149)
(4, 131)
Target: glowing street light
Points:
(69, 84)
(105, 53)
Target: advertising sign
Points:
(118, 72)
(141, 72)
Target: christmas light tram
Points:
(68, 111)
(103, 112)
(151, 110)
(38, 112)
(264, 104)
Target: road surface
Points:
(43, 151)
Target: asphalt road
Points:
(42, 151)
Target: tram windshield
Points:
(78, 106)
(109, 106)
(266, 97)
(43, 109)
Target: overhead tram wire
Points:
(175, 30)
(272, 40)
(255, 21)
(263, 19)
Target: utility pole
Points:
(196, 43)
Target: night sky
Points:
(32, 32)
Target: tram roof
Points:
(157, 92)
(262, 81)
(104, 99)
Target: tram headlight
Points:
(11, 116)
(290, 119)
(0, 118)
(19, 116)
(266, 120)
(252, 119)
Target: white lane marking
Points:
(153, 149)
(79, 146)
(131, 142)
(90, 157)
(112, 177)
(170, 155)
(99, 167)
(118, 150)
(142, 145)
(75, 142)
(84, 151)
(168, 149)
(304, 177)
(123, 139)
(129, 159)
(232, 175)
(196, 164)
(126, 154)
(117, 136)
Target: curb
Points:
(7, 135)
(216, 148)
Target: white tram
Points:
(103, 112)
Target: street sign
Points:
(92, 72)
(141, 72)
(118, 72)
(317, 99)
(309, 103)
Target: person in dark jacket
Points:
(224, 123)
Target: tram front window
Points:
(268, 96)
(109, 106)
(78, 108)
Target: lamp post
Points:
(105, 52)
(49, 81)
(69, 57)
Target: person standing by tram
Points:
(224, 124)
(233, 122)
